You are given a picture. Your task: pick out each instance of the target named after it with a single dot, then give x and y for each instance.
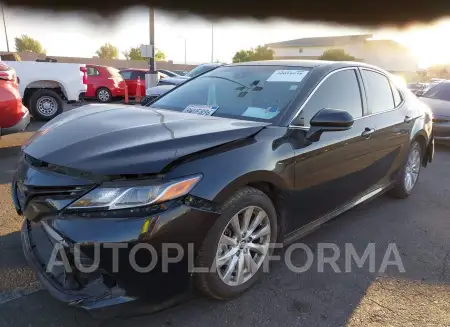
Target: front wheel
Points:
(409, 175)
(238, 245)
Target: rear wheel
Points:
(103, 95)
(45, 104)
(409, 175)
(238, 245)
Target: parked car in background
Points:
(168, 73)
(416, 88)
(14, 116)
(200, 69)
(438, 99)
(45, 86)
(104, 83)
(170, 82)
(130, 75)
(222, 167)
(180, 72)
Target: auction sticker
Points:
(200, 109)
(287, 76)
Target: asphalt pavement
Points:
(420, 296)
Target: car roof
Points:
(306, 63)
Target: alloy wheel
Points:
(412, 169)
(243, 246)
(47, 106)
(103, 95)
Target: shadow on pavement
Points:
(312, 298)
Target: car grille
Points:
(26, 193)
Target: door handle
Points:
(367, 132)
(408, 119)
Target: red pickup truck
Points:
(14, 116)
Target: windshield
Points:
(245, 92)
(199, 70)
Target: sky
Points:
(80, 35)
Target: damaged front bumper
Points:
(94, 295)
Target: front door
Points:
(337, 169)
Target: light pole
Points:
(152, 74)
(185, 61)
(4, 26)
(212, 42)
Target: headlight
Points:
(120, 197)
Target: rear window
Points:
(246, 92)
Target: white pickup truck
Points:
(44, 86)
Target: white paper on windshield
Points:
(200, 109)
(263, 113)
(287, 75)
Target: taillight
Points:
(84, 71)
(7, 73)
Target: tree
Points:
(336, 55)
(24, 43)
(242, 56)
(261, 52)
(133, 54)
(107, 51)
(159, 55)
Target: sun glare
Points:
(427, 43)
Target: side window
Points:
(339, 91)
(397, 95)
(91, 71)
(379, 93)
(440, 92)
(137, 74)
(125, 74)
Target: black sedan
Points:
(210, 176)
(438, 99)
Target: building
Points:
(386, 54)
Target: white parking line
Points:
(18, 293)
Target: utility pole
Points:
(212, 42)
(152, 79)
(4, 26)
(185, 61)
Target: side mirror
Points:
(328, 120)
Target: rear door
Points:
(337, 169)
(393, 122)
(141, 75)
(126, 75)
(93, 78)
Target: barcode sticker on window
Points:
(203, 110)
(287, 75)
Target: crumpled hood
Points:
(120, 139)
(440, 108)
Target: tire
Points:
(45, 104)
(213, 283)
(401, 188)
(103, 95)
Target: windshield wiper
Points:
(242, 87)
